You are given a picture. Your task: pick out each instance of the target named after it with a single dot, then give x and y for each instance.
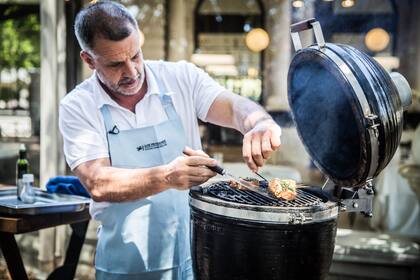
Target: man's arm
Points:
(112, 184)
(261, 133)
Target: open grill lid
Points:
(346, 107)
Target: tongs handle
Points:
(218, 169)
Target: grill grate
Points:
(223, 191)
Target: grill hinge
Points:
(298, 218)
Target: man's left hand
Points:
(260, 142)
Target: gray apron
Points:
(147, 238)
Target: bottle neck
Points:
(22, 154)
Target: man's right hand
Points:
(186, 171)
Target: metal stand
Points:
(352, 199)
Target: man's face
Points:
(119, 64)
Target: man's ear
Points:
(87, 58)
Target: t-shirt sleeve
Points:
(204, 90)
(83, 138)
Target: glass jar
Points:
(27, 194)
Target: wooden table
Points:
(16, 224)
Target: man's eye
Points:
(135, 57)
(115, 65)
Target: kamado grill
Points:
(348, 113)
(240, 234)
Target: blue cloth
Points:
(66, 185)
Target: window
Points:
(224, 36)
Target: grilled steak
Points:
(282, 188)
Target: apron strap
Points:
(166, 100)
(109, 123)
(110, 127)
(168, 106)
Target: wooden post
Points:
(278, 56)
(53, 88)
(178, 44)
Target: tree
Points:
(19, 40)
(19, 44)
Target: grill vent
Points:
(223, 191)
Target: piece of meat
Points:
(253, 181)
(282, 188)
(238, 186)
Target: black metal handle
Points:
(302, 25)
(218, 169)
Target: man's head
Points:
(109, 38)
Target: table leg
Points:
(68, 269)
(12, 255)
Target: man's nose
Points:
(130, 69)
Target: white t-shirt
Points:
(82, 125)
(81, 122)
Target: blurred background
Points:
(245, 45)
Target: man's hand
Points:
(191, 170)
(261, 133)
(260, 142)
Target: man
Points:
(131, 135)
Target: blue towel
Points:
(66, 185)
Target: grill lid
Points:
(220, 199)
(347, 109)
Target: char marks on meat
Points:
(282, 188)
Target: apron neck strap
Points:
(109, 123)
(165, 99)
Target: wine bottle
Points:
(22, 167)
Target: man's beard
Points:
(117, 88)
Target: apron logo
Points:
(151, 146)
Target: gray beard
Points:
(113, 89)
(141, 81)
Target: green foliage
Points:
(19, 41)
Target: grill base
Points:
(224, 248)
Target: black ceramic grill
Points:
(240, 234)
(223, 191)
(348, 113)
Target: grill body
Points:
(253, 239)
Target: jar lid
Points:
(28, 177)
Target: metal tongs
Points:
(222, 171)
(259, 175)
